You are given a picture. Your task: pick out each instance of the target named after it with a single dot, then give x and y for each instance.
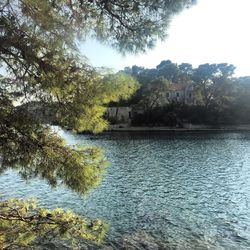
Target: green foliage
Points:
(154, 92)
(43, 66)
(34, 150)
(212, 80)
(219, 98)
(38, 51)
(127, 25)
(22, 224)
(171, 71)
(86, 103)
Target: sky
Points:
(212, 31)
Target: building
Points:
(182, 93)
(119, 114)
(177, 92)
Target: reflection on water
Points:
(192, 190)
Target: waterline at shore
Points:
(186, 128)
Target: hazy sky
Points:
(213, 31)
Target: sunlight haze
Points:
(213, 31)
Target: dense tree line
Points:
(219, 97)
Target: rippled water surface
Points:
(192, 190)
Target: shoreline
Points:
(240, 128)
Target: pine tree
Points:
(42, 65)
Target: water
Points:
(192, 190)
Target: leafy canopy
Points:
(218, 97)
(38, 52)
(22, 222)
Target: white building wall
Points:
(120, 114)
